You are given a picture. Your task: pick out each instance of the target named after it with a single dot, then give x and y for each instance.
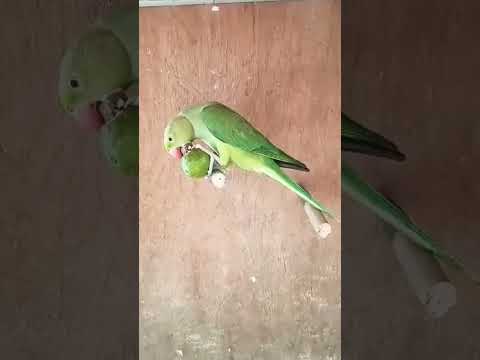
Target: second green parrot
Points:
(236, 142)
(98, 85)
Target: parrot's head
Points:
(178, 132)
(95, 66)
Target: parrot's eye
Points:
(170, 139)
(74, 83)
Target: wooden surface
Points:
(238, 273)
(68, 224)
(407, 71)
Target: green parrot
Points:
(356, 138)
(98, 86)
(236, 142)
(102, 61)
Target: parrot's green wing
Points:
(359, 139)
(231, 128)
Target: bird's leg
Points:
(215, 174)
(209, 151)
(213, 157)
(210, 167)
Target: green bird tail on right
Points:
(358, 139)
(392, 214)
(273, 171)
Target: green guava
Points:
(195, 164)
(119, 142)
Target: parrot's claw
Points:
(213, 157)
(210, 167)
(214, 174)
(209, 152)
(117, 101)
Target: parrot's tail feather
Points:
(277, 174)
(363, 147)
(288, 165)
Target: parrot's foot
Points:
(215, 174)
(209, 152)
(117, 99)
(213, 158)
(116, 102)
(210, 167)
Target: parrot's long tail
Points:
(274, 172)
(389, 212)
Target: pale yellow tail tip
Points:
(425, 276)
(318, 221)
(441, 297)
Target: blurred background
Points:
(408, 72)
(68, 223)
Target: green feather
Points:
(363, 193)
(272, 170)
(359, 139)
(231, 128)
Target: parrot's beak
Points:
(176, 153)
(89, 117)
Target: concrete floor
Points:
(239, 273)
(408, 71)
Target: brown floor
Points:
(408, 71)
(239, 273)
